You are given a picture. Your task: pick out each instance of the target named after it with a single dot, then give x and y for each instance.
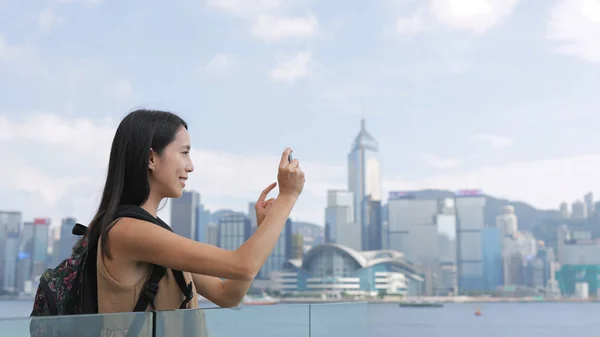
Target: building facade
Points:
(336, 269)
(364, 181)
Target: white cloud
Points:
(57, 168)
(292, 68)
(48, 19)
(219, 62)
(275, 28)
(497, 142)
(575, 26)
(441, 163)
(245, 8)
(269, 19)
(53, 163)
(475, 16)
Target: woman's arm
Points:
(140, 241)
(226, 294)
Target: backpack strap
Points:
(150, 289)
(158, 272)
(186, 289)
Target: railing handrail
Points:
(146, 323)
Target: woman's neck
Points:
(151, 205)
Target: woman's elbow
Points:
(231, 302)
(244, 271)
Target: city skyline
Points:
(495, 95)
(165, 209)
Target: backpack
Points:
(71, 287)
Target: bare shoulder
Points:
(134, 236)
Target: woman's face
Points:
(169, 170)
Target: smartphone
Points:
(290, 158)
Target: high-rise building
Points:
(425, 231)
(564, 210)
(364, 181)
(41, 236)
(375, 228)
(340, 226)
(492, 258)
(411, 225)
(547, 256)
(234, 230)
(589, 203)
(10, 226)
(578, 210)
(506, 221)
(446, 233)
(189, 218)
(67, 240)
(212, 235)
(469, 251)
(385, 227)
(25, 257)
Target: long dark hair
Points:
(127, 180)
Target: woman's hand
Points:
(262, 205)
(290, 176)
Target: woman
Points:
(150, 161)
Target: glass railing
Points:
(301, 320)
(348, 319)
(140, 325)
(249, 321)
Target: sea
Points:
(537, 319)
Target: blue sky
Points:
(490, 94)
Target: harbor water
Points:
(496, 319)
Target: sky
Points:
(496, 95)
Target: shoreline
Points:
(392, 300)
(445, 300)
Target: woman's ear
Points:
(151, 160)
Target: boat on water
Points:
(421, 305)
(262, 299)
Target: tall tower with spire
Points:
(364, 181)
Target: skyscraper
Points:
(364, 181)
(234, 230)
(469, 251)
(41, 236)
(188, 216)
(507, 221)
(340, 226)
(64, 246)
(10, 226)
